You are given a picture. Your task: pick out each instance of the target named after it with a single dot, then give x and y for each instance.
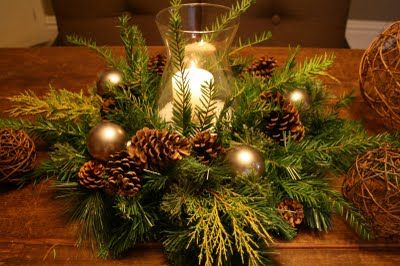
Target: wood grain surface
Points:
(34, 230)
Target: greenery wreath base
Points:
(204, 214)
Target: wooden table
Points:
(33, 230)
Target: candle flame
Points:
(201, 42)
(193, 65)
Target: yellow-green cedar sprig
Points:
(57, 105)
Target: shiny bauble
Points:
(245, 160)
(105, 139)
(109, 79)
(299, 98)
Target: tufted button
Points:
(276, 19)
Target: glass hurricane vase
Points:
(206, 49)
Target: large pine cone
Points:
(292, 211)
(284, 122)
(205, 147)
(263, 67)
(156, 148)
(123, 175)
(157, 63)
(91, 175)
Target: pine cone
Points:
(90, 175)
(108, 105)
(292, 211)
(156, 148)
(123, 175)
(263, 67)
(283, 122)
(205, 147)
(157, 63)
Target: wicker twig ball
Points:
(17, 155)
(373, 185)
(379, 75)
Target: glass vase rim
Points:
(232, 24)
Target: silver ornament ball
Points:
(299, 98)
(105, 139)
(246, 160)
(108, 78)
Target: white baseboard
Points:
(360, 33)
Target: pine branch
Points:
(140, 79)
(136, 226)
(63, 163)
(264, 36)
(104, 52)
(223, 125)
(182, 108)
(15, 123)
(312, 194)
(344, 101)
(93, 213)
(53, 131)
(57, 105)
(235, 11)
(292, 76)
(316, 65)
(133, 40)
(134, 113)
(205, 113)
(352, 215)
(239, 63)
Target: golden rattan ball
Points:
(373, 186)
(379, 75)
(17, 155)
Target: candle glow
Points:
(202, 48)
(195, 78)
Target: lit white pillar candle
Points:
(195, 78)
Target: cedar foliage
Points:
(203, 214)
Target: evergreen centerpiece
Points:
(173, 182)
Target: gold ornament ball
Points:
(245, 160)
(105, 139)
(299, 98)
(109, 78)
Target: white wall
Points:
(23, 23)
(368, 18)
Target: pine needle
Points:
(257, 39)
(205, 113)
(182, 107)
